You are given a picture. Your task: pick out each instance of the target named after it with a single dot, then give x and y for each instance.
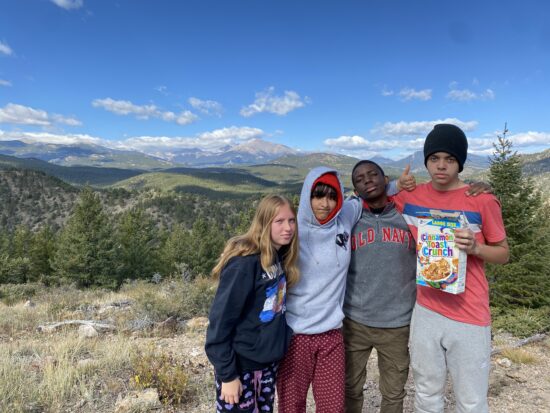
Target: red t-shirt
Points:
(485, 218)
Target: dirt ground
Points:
(514, 387)
(517, 388)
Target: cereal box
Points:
(440, 264)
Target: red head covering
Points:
(331, 180)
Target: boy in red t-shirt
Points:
(451, 333)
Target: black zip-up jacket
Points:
(247, 329)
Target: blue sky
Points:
(355, 77)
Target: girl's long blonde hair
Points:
(258, 240)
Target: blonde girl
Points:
(248, 333)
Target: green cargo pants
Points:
(391, 345)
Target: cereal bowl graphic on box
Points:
(440, 263)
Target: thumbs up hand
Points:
(406, 181)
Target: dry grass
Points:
(174, 297)
(519, 356)
(17, 320)
(500, 342)
(49, 374)
(59, 372)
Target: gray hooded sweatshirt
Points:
(314, 304)
(381, 286)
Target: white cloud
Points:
(232, 134)
(402, 140)
(453, 84)
(279, 105)
(46, 137)
(157, 143)
(488, 94)
(528, 139)
(154, 145)
(4, 82)
(69, 4)
(162, 89)
(208, 107)
(125, 107)
(359, 143)
(213, 140)
(407, 94)
(347, 142)
(407, 136)
(66, 120)
(25, 115)
(5, 49)
(419, 127)
(218, 139)
(463, 95)
(184, 118)
(467, 95)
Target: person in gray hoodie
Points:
(314, 304)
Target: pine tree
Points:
(245, 219)
(524, 280)
(13, 270)
(175, 249)
(85, 251)
(42, 253)
(199, 248)
(206, 242)
(137, 247)
(16, 266)
(21, 241)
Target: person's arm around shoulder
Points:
(478, 188)
(355, 204)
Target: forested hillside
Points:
(33, 199)
(54, 232)
(79, 175)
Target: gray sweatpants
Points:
(439, 344)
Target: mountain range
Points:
(191, 169)
(253, 152)
(82, 155)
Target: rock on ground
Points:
(136, 401)
(86, 331)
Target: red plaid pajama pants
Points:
(317, 360)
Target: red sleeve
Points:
(492, 223)
(399, 200)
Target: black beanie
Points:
(447, 138)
